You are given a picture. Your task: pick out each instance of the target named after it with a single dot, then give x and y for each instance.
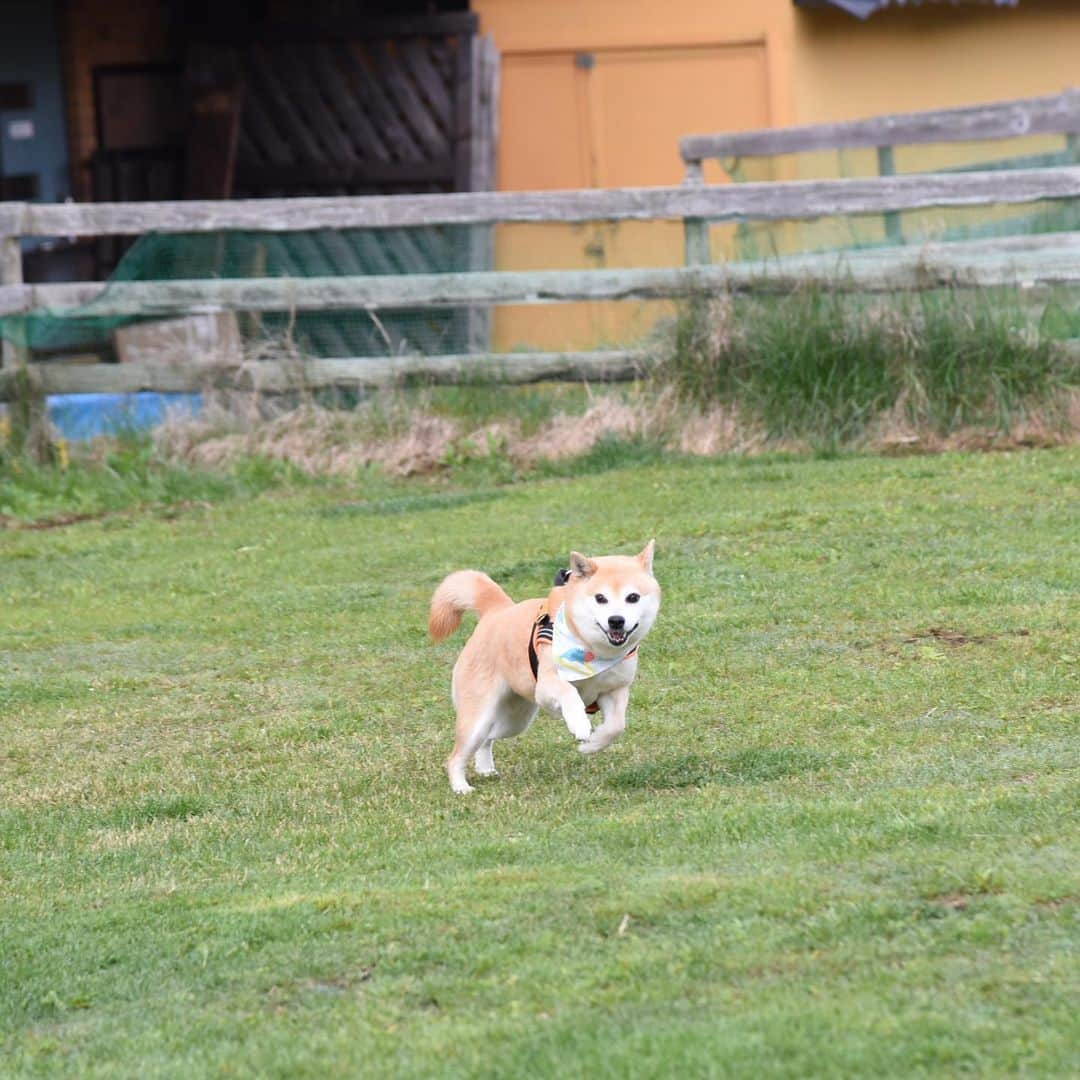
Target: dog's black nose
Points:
(616, 622)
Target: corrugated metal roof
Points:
(863, 9)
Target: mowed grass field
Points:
(839, 837)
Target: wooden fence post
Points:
(485, 131)
(886, 166)
(10, 274)
(695, 230)
(27, 408)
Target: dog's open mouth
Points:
(618, 638)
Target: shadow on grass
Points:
(408, 504)
(607, 453)
(163, 808)
(741, 767)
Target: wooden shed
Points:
(172, 99)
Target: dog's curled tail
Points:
(464, 590)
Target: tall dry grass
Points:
(808, 371)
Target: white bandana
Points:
(574, 660)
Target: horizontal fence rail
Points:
(277, 376)
(791, 200)
(1056, 114)
(1051, 259)
(1034, 261)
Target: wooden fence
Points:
(1034, 261)
(1055, 114)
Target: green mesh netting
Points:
(318, 253)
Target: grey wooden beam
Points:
(55, 377)
(802, 199)
(13, 219)
(1053, 114)
(11, 278)
(896, 269)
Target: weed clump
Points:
(832, 369)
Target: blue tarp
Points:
(82, 416)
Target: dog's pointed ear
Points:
(645, 556)
(581, 566)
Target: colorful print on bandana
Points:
(574, 661)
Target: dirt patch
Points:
(59, 521)
(1058, 902)
(947, 637)
(955, 638)
(953, 901)
(282, 995)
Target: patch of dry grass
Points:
(405, 436)
(316, 440)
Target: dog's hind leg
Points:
(485, 759)
(512, 716)
(472, 734)
(476, 714)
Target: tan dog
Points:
(576, 649)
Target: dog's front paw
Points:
(577, 720)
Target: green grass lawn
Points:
(839, 837)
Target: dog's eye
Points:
(633, 598)
(601, 598)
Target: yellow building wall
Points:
(661, 71)
(906, 59)
(930, 57)
(598, 94)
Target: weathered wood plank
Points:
(13, 218)
(29, 428)
(484, 110)
(268, 375)
(955, 256)
(722, 202)
(262, 132)
(414, 55)
(265, 83)
(485, 121)
(11, 267)
(367, 78)
(887, 167)
(1053, 114)
(294, 70)
(401, 91)
(11, 277)
(461, 140)
(696, 248)
(335, 89)
(902, 269)
(216, 92)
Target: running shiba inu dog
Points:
(573, 653)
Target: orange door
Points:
(610, 118)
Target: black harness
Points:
(542, 631)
